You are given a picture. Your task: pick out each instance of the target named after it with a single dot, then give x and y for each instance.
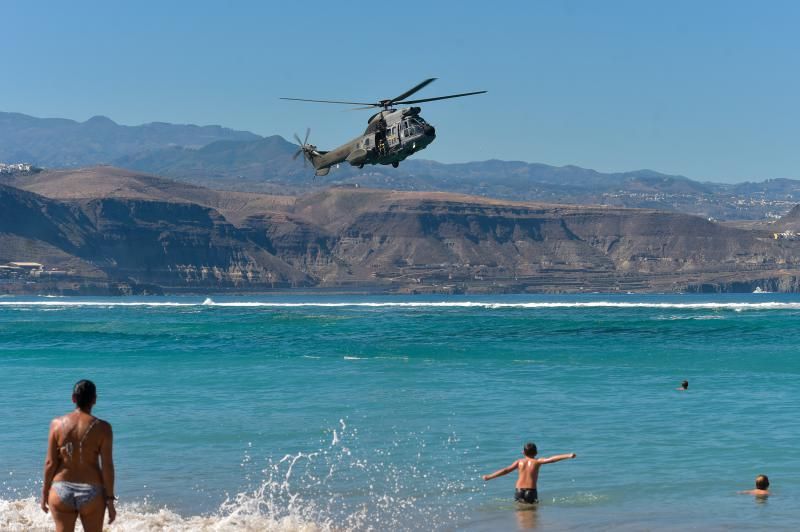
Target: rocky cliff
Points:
(136, 230)
(111, 242)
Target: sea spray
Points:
(346, 484)
(25, 515)
(339, 486)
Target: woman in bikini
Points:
(79, 469)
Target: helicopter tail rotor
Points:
(311, 154)
(308, 150)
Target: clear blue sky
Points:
(707, 89)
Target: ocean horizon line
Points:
(209, 303)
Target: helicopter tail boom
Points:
(311, 154)
(314, 156)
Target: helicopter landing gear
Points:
(360, 166)
(395, 164)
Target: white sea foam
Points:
(580, 499)
(695, 318)
(24, 515)
(339, 486)
(208, 302)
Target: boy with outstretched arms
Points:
(528, 468)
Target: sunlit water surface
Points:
(318, 413)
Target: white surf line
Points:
(774, 305)
(95, 304)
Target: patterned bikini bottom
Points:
(76, 494)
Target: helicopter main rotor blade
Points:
(308, 132)
(298, 152)
(411, 91)
(329, 101)
(298, 139)
(441, 97)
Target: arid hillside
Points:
(123, 231)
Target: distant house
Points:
(26, 265)
(18, 168)
(30, 269)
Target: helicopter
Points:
(391, 134)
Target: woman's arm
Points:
(51, 463)
(107, 464)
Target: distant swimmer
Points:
(79, 469)
(684, 386)
(528, 468)
(762, 487)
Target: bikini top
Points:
(68, 448)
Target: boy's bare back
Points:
(528, 473)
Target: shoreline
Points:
(249, 515)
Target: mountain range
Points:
(222, 158)
(62, 143)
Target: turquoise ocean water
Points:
(345, 412)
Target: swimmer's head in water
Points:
(530, 449)
(762, 482)
(84, 393)
(685, 385)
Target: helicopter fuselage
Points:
(390, 137)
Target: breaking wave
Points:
(209, 303)
(23, 515)
(340, 486)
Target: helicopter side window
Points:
(366, 143)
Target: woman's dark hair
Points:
(85, 392)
